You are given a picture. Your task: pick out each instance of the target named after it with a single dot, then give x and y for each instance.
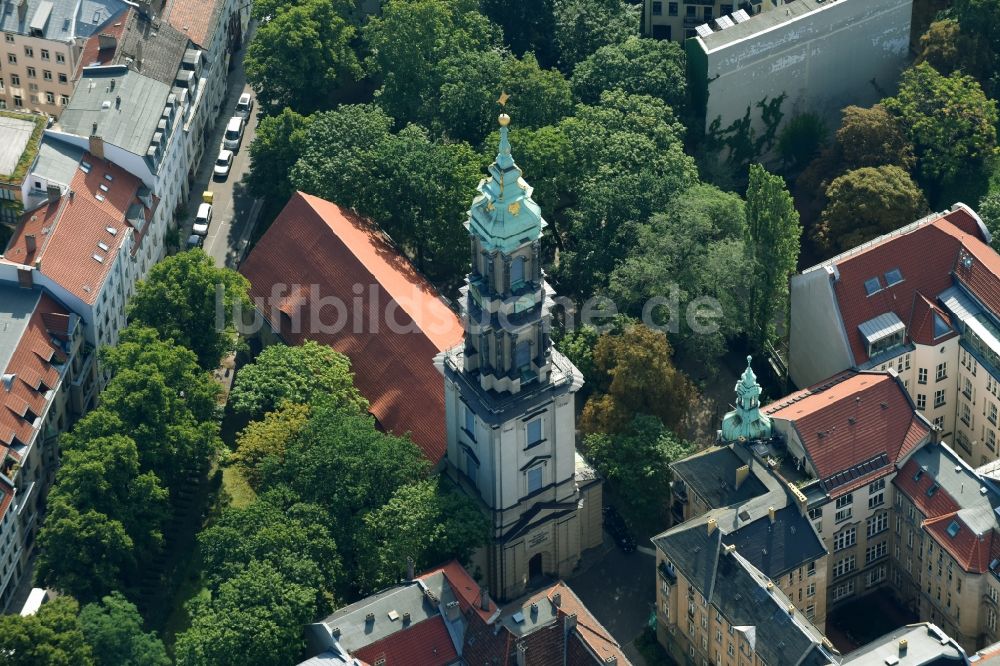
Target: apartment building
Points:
(920, 300)
(41, 345)
(676, 20)
(88, 245)
(43, 42)
(804, 55)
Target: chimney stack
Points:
(106, 41)
(570, 622)
(53, 192)
(96, 145)
(409, 568)
(712, 525)
(452, 611)
(522, 654)
(29, 243)
(557, 599)
(484, 599)
(741, 475)
(902, 647)
(771, 514)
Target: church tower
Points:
(509, 396)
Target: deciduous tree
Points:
(299, 374)
(636, 66)
(773, 244)
(277, 145)
(113, 629)
(187, 299)
(528, 25)
(801, 139)
(872, 137)
(51, 637)
(268, 438)
(866, 203)
(583, 26)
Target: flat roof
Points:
(132, 123)
(761, 22)
(16, 308)
(15, 133)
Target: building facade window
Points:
(877, 523)
(62, 78)
(672, 8)
(11, 59)
(921, 375)
(470, 422)
(876, 493)
(845, 590)
(534, 476)
(60, 58)
(844, 566)
(876, 551)
(876, 575)
(939, 398)
(845, 538)
(921, 401)
(534, 432)
(657, 8)
(941, 371)
(47, 75)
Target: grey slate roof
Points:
(131, 126)
(160, 53)
(57, 161)
(712, 474)
(61, 23)
(779, 547)
(980, 511)
(926, 645)
(16, 308)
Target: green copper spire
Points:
(503, 214)
(746, 421)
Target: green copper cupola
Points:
(503, 214)
(746, 421)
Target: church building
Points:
(510, 396)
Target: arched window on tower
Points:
(523, 356)
(517, 273)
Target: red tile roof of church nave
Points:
(854, 426)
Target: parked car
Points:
(233, 137)
(223, 163)
(244, 107)
(616, 527)
(203, 219)
(194, 240)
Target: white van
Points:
(233, 137)
(203, 220)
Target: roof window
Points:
(953, 528)
(892, 277)
(940, 326)
(872, 286)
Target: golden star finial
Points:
(503, 99)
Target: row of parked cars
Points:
(231, 142)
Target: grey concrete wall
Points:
(817, 343)
(843, 52)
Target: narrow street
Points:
(234, 209)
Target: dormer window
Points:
(883, 333)
(953, 529)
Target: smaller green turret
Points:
(746, 421)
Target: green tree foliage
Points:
(578, 346)
(866, 203)
(413, 42)
(276, 147)
(872, 137)
(989, 212)
(301, 55)
(801, 139)
(939, 46)
(280, 530)
(299, 374)
(636, 66)
(51, 637)
(528, 25)
(980, 41)
(538, 96)
(694, 250)
(256, 618)
(268, 438)
(113, 629)
(951, 123)
(583, 26)
(773, 244)
(636, 463)
(352, 158)
(634, 375)
(430, 521)
(190, 301)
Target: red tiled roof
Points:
(970, 550)
(921, 328)
(68, 231)
(92, 53)
(925, 255)
(466, 590)
(321, 253)
(588, 629)
(195, 18)
(28, 367)
(852, 419)
(938, 504)
(427, 643)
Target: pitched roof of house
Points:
(925, 254)
(92, 53)
(316, 253)
(198, 19)
(31, 351)
(77, 237)
(929, 324)
(712, 474)
(427, 643)
(958, 504)
(154, 51)
(854, 427)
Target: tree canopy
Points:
(636, 66)
(634, 374)
(268, 438)
(583, 26)
(51, 637)
(300, 374)
(276, 147)
(528, 26)
(185, 298)
(866, 203)
(113, 629)
(872, 137)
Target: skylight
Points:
(953, 528)
(892, 277)
(872, 285)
